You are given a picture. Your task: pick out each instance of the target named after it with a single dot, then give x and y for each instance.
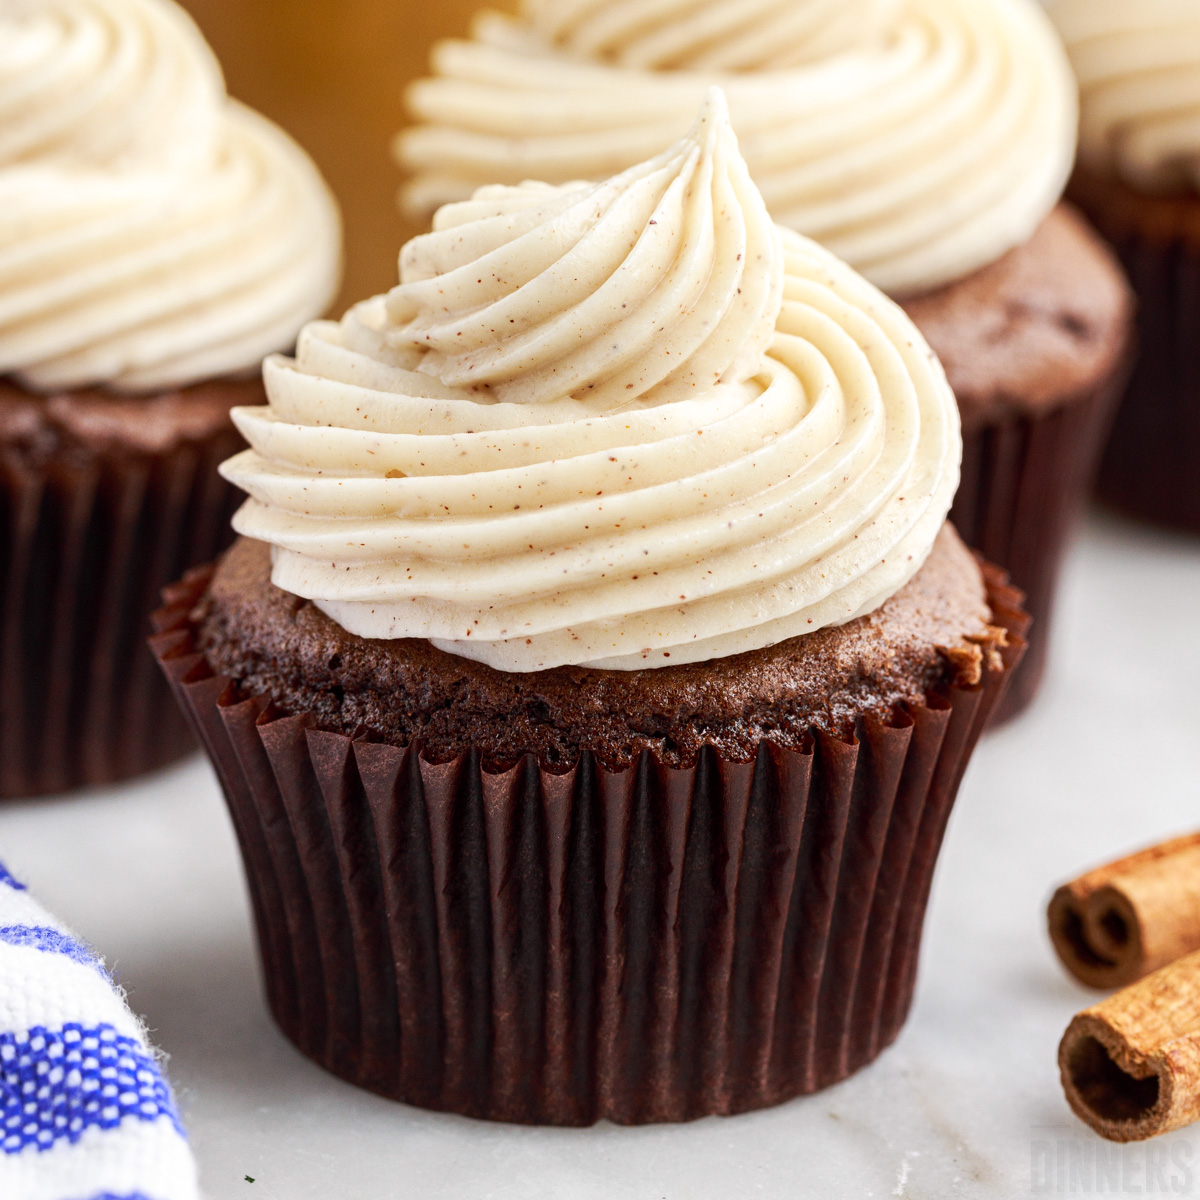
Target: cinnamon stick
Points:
(1122, 921)
(1130, 1065)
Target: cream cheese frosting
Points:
(918, 140)
(152, 232)
(628, 424)
(718, 35)
(1138, 63)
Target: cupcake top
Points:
(153, 233)
(1138, 63)
(918, 140)
(628, 424)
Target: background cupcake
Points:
(592, 720)
(926, 142)
(156, 240)
(1138, 178)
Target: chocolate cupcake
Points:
(591, 726)
(156, 241)
(1036, 348)
(925, 142)
(1138, 179)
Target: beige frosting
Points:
(1138, 63)
(629, 424)
(713, 35)
(918, 140)
(152, 232)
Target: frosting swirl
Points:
(714, 35)
(1139, 75)
(628, 424)
(152, 232)
(918, 140)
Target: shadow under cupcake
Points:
(591, 727)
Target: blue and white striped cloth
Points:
(85, 1108)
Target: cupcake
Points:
(1138, 179)
(156, 241)
(925, 142)
(596, 668)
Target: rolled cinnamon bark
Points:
(1130, 1065)
(1122, 921)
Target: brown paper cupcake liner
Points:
(654, 944)
(1025, 482)
(88, 538)
(1149, 469)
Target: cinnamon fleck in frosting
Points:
(629, 424)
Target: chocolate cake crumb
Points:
(91, 421)
(277, 645)
(1034, 329)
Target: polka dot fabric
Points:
(86, 1112)
(58, 1083)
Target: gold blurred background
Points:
(332, 73)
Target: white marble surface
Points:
(967, 1103)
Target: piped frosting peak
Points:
(657, 284)
(630, 424)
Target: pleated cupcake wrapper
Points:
(1150, 464)
(654, 944)
(1025, 482)
(87, 542)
